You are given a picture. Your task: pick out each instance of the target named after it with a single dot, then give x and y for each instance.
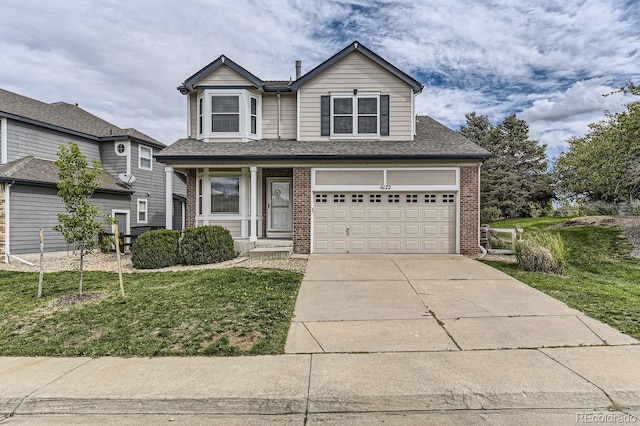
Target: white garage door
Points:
(368, 222)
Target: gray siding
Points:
(111, 162)
(150, 185)
(34, 207)
(25, 139)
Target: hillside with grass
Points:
(601, 275)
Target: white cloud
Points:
(122, 60)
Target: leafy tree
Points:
(515, 179)
(77, 184)
(604, 164)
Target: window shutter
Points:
(384, 115)
(325, 115)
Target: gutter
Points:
(306, 157)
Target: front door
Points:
(279, 208)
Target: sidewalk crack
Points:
(306, 411)
(312, 336)
(13, 412)
(614, 405)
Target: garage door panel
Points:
(384, 222)
(376, 230)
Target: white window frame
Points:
(140, 157)
(205, 195)
(354, 102)
(244, 129)
(145, 210)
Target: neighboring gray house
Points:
(31, 133)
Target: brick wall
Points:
(302, 210)
(469, 221)
(190, 208)
(3, 219)
(270, 173)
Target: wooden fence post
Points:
(117, 236)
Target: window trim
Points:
(355, 114)
(144, 201)
(140, 157)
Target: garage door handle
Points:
(347, 232)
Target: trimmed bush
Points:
(542, 252)
(156, 249)
(206, 244)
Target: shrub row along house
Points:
(31, 133)
(335, 160)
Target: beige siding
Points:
(234, 226)
(193, 114)
(270, 116)
(224, 76)
(418, 177)
(356, 72)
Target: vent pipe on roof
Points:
(298, 68)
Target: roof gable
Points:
(360, 48)
(221, 61)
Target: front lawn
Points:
(601, 279)
(211, 312)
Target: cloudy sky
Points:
(548, 61)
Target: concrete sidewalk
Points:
(500, 386)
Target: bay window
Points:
(229, 113)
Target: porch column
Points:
(254, 203)
(168, 215)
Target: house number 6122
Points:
(385, 187)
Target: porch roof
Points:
(433, 141)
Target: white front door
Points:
(279, 207)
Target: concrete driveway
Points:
(422, 303)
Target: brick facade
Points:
(270, 173)
(302, 210)
(190, 208)
(3, 219)
(469, 219)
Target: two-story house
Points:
(133, 188)
(335, 160)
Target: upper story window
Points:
(145, 157)
(225, 114)
(355, 115)
(200, 115)
(229, 113)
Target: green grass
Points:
(215, 312)
(601, 279)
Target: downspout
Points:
(483, 251)
(279, 116)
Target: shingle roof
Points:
(65, 116)
(44, 172)
(433, 141)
